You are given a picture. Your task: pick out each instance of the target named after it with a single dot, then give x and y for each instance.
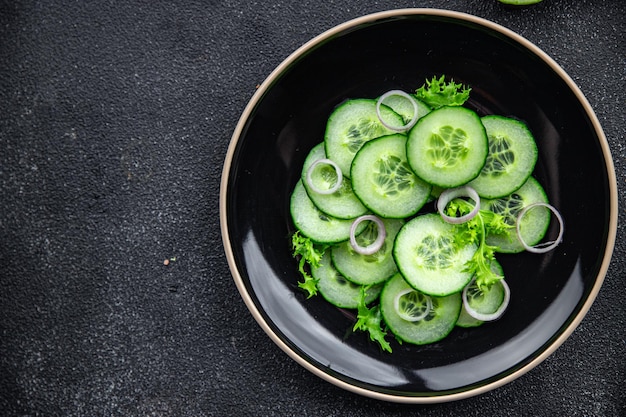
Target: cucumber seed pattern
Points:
(499, 158)
(435, 252)
(447, 147)
(508, 207)
(361, 132)
(431, 314)
(392, 175)
(475, 293)
(327, 177)
(414, 304)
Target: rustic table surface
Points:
(115, 118)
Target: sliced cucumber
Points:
(368, 269)
(511, 159)
(336, 289)
(466, 321)
(488, 301)
(315, 224)
(383, 180)
(412, 305)
(351, 125)
(534, 224)
(482, 302)
(429, 258)
(448, 147)
(437, 324)
(485, 302)
(404, 108)
(343, 203)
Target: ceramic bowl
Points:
(400, 49)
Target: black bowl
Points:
(399, 50)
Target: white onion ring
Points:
(541, 247)
(452, 193)
(400, 93)
(377, 244)
(488, 317)
(396, 306)
(309, 174)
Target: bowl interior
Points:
(287, 118)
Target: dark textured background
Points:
(115, 118)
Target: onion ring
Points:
(377, 244)
(309, 174)
(400, 93)
(488, 317)
(396, 306)
(452, 193)
(541, 247)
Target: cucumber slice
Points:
(315, 224)
(448, 147)
(534, 224)
(482, 302)
(404, 108)
(511, 158)
(435, 326)
(351, 125)
(368, 269)
(343, 203)
(412, 305)
(383, 180)
(429, 258)
(336, 289)
(467, 321)
(487, 302)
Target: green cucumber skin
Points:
(440, 322)
(452, 164)
(336, 289)
(515, 144)
(466, 321)
(373, 157)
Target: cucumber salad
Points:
(366, 239)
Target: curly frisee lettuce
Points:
(370, 320)
(438, 93)
(475, 231)
(310, 255)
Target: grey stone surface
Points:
(114, 123)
